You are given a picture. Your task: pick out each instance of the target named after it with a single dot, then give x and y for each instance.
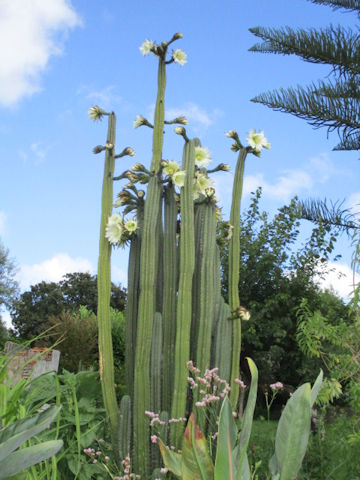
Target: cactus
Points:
(124, 427)
(106, 360)
(234, 265)
(175, 310)
(186, 270)
(170, 277)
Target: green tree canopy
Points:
(30, 313)
(333, 103)
(8, 285)
(279, 267)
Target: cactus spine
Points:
(148, 284)
(106, 361)
(234, 265)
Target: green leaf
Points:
(14, 435)
(195, 460)
(26, 457)
(293, 433)
(247, 421)
(171, 460)
(224, 464)
(316, 388)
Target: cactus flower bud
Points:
(180, 130)
(183, 120)
(178, 35)
(98, 149)
(129, 151)
(224, 167)
(109, 146)
(231, 134)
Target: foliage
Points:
(276, 273)
(14, 460)
(231, 461)
(80, 329)
(31, 312)
(8, 285)
(333, 103)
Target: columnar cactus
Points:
(175, 311)
(106, 361)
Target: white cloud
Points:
(105, 97)
(37, 152)
(2, 222)
(340, 279)
(288, 184)
(30, 31)
(52, 270)
(195, 115)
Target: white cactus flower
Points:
(202, 183)
(114, 228)
(178, 178)
(96, 113)
(146, 46)
(138, 121)
(131, 225)
(179, 56)
(202, 157)
(171, 167)
(257, 140)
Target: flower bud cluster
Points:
(212, 388)
(276, 386)
(96, 455)
(126, 475)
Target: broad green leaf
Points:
(171, 460)
(273, 466)
(195, 460)
(26, 457)
(224, 465)
(293, 433)
(14, 435)
(316, 388)
(247, 421)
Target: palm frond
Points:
(353, 5)
(335, 46)
(334, 214)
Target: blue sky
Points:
(62, 57)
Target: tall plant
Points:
(175, 311)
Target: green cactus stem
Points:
(170, 276)
(133, 297)
(234, 265)
(184, 300)
(124, 427)
(148, 285)
(106, 361)
(205, 283)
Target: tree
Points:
(276, 274)
(30, 313)
(8, 285)
(333, 103)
